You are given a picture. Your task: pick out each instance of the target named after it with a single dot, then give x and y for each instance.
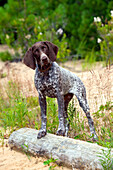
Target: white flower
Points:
(40, 33)
(99, 40)
(7, 36)
(97, 19)
(108, 34)
(111, 13)
(28, 36)
(59, 31)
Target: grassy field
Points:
(19, 106)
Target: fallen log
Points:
(69, 152)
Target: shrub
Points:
(5, 56)
(27, 28)
(105, 39)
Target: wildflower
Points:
(97, 19)
(99, 40)
(28, 36)
(59, 31)
(40, 33)
(7, 36)
(111, 13)
(108, 34)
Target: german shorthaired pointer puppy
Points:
(56, 82)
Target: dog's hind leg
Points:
(84, 105)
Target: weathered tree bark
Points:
(69, 152)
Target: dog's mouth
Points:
(45, 67)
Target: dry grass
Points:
(98, 82)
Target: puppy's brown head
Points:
(43, 53)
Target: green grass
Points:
(50, 162)
(106, 158)
(14, 109)
(104, 123)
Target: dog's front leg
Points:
(42, 102)
(61, 128)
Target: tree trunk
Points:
(69, 152)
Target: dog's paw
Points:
(41, 134)
(60, 132)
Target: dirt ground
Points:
(99, 87)
(13, 160)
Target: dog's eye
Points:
(36, 50)
(43, 47)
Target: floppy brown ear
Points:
(53, 50)
(29, 60)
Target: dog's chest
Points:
(47, 83)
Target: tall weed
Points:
(52, 115)
(77, 124)
(103, 119)
(106, 158)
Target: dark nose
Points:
(44, 58)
